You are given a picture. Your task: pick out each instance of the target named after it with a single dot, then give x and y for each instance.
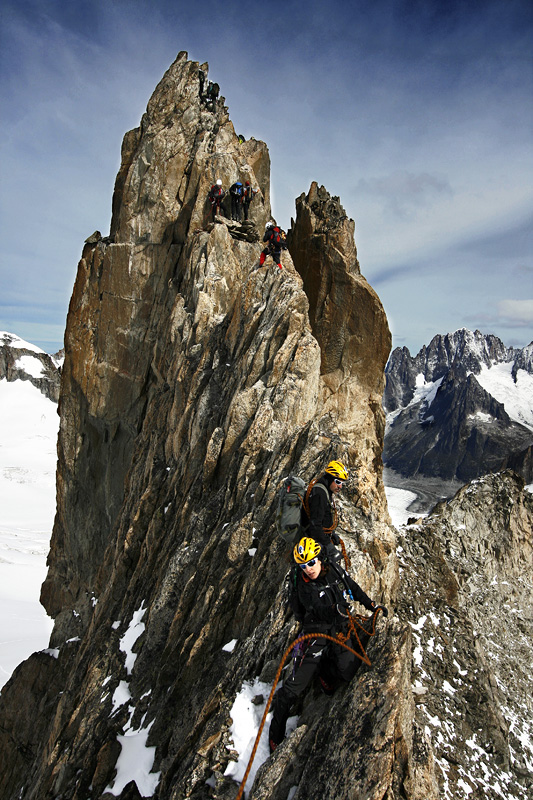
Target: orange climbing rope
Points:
(340, 639)
(347, 560)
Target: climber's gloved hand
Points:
(335, 538)
(376, 607)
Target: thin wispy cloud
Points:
(516, 313)
(403, 193)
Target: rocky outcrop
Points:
(466, 590)
(192, 384)
(520, 462)
(443, 421)
(18, 362)
(349, 323)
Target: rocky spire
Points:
(192, 385)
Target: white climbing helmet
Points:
(219, 182)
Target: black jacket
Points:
(323, 597)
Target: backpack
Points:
(305, 507)
(276, 238)
(289, 504)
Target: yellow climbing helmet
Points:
(338, 470)
(306, 550)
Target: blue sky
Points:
(417, 114)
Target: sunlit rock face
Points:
(350, 325)
(194, 381)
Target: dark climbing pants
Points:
(236, 207)
(333, 663)
(268, 251)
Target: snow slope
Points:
(517, 398)
(28, 434)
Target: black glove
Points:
(335, 538)
(381, 608)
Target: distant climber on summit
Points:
(322, 519)
(236, 192)
(211, 96)
(216, 195)
(322, 592)
(276, 243)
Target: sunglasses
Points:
(309, 563)
(338, 482)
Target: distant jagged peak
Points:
(523, 360)
(470, 349)
(464, 351)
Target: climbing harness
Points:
(298, 655)
(340, 639)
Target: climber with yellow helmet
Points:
(319, 514)
(321, 591)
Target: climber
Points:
(236, 193)
(249, 193)
(322, 589)
(321, 521)
(211, 96)
(216, 195)
(276, 243)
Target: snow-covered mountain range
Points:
(460, 408)
(28, 434)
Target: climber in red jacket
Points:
(276, 243)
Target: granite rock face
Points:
(466, 589)
(192, 384)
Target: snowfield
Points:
(29, 426)
(517, 398)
